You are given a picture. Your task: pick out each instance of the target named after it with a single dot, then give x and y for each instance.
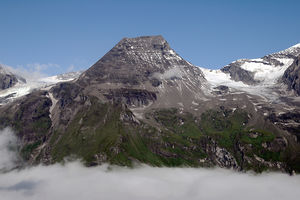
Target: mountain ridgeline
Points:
(143, 103)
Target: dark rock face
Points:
(239, 74)
(221, 89)
(131, 97)
(66, 93)
(155, 82)
(291, 76)
(7, 81)
(289, 121)
(270, 59)
(30, 117)
(70, 99)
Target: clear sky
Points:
(62, 35)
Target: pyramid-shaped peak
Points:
(134, 61)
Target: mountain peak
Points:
(134, 60)
(292, 51)
(296, 45)
(149, 43)
(149, 38)
(7, 79)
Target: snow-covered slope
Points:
(260, 76)
(23, 88)
(217, 77)
(266, 72)
(293, 50)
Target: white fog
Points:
(74, 181)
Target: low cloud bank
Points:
(171, 73)
(74, 181)
(8, 147)
(30, 72)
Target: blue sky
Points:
(62, 35)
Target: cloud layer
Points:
(8, 146)
(171, 73)
(74, 181)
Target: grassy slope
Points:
(230, 131)
(97, 133)
(100, 131)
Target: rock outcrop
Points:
(7, 79)
(291, 76)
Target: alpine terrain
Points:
(143, 103)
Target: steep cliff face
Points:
(291, 76)
(239, 74)
(142, 102)
(7, 79)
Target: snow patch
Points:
(180, 104)
(194, 103)
(169, 74)
(266, 72)
(54, 102)
(217, 77)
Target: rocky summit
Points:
(143, 103)
(8, 79)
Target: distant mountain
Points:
(273, 76)
(265, 70)
(142, 102)
(19, 87)
(8, 79)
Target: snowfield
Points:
(267, 71)
(22, 89)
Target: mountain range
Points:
(143, 103)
